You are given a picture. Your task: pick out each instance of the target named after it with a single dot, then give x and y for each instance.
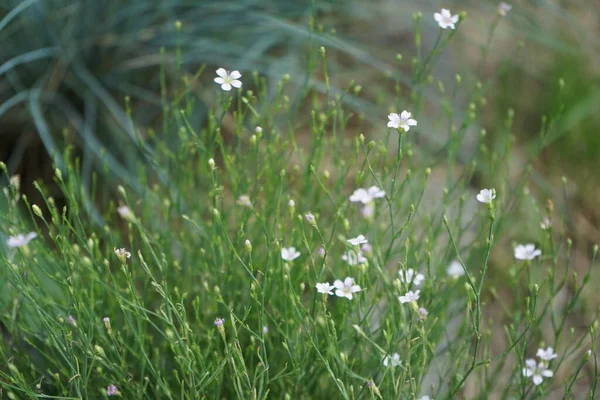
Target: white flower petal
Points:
(235, 74)
(222, 72)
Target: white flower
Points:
(289, 254)
(425, 398)
(537, 371)
(291, 203)
(486, 195)
(360, 239)
(526, 252)
(20, 240)
(455, 269)
(411, 276)
(410, 296)
(403, 121)
(346, 288)
(546, 223)
(445, 20)
(265, 329)
(244, 201)
(258, 129)
(366, 248)
(125, 212)
(423, 313)
(547, 354)
(366, 196)
(391, 361)
(227, 79)
(354, 257)
(325, 288)
(122, 254)
(503, 8)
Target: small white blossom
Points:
(289, 254)
(486, 195)
(547, 354)
(423, 313)
(325, 288)
(228, 79)
(391, 361)
(125, 212)
(244, 201)
(354, 257)
(455, 270)
(403, 121)
(546, 223)
(410, 296)
(321, 251)
(366, 196)
(122, 254)
(346, 288)
(265, 329)
(258, 129)
(537, 371)
(411, 276)
(368, 210)
(425, 398)
(503, 8)
(526, 252)
(366, 248)
(445, 19)
(360, 239)
(20, 240)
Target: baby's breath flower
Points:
(244, 201)
(366, 248)
(291, 203)
(445, 19)
(402, 120)
(411, 276)
(71, 320)
(486, 195)
(123, 254)
(527, 252)
(228, 79)
(20, 240)
(289, 254)
(423, 313)
(546, 223)
(125, 212)
(360, 239)
(455, 270)
(410, 296)
(367, 211)
(310, 218)
(503, 8)
(354, 257)
(321, 251)
(265, 329)
(366, 196)
(547, 354)
(106, 321)
(111, 390)
(391, 361)
(219, 322)
(258, 129)
(325, 288)
(346, 288)
(537, 371)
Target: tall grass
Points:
(181, 286)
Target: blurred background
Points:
(78, 74)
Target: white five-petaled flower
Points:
(503, 8)
(402, 120)
(537, 371)
(526, 252)
(486, 195)
(325, 288)
(360, 239)
(455, 270)
(346, 288)
(289, 254)
(411, 276)
(391, 361)
(366, 196)
(445, 19)
(410, 296)
(547, 354)
(122, 253)
(20, 240)
(228, 79)
(244, 201)
(354, 257)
